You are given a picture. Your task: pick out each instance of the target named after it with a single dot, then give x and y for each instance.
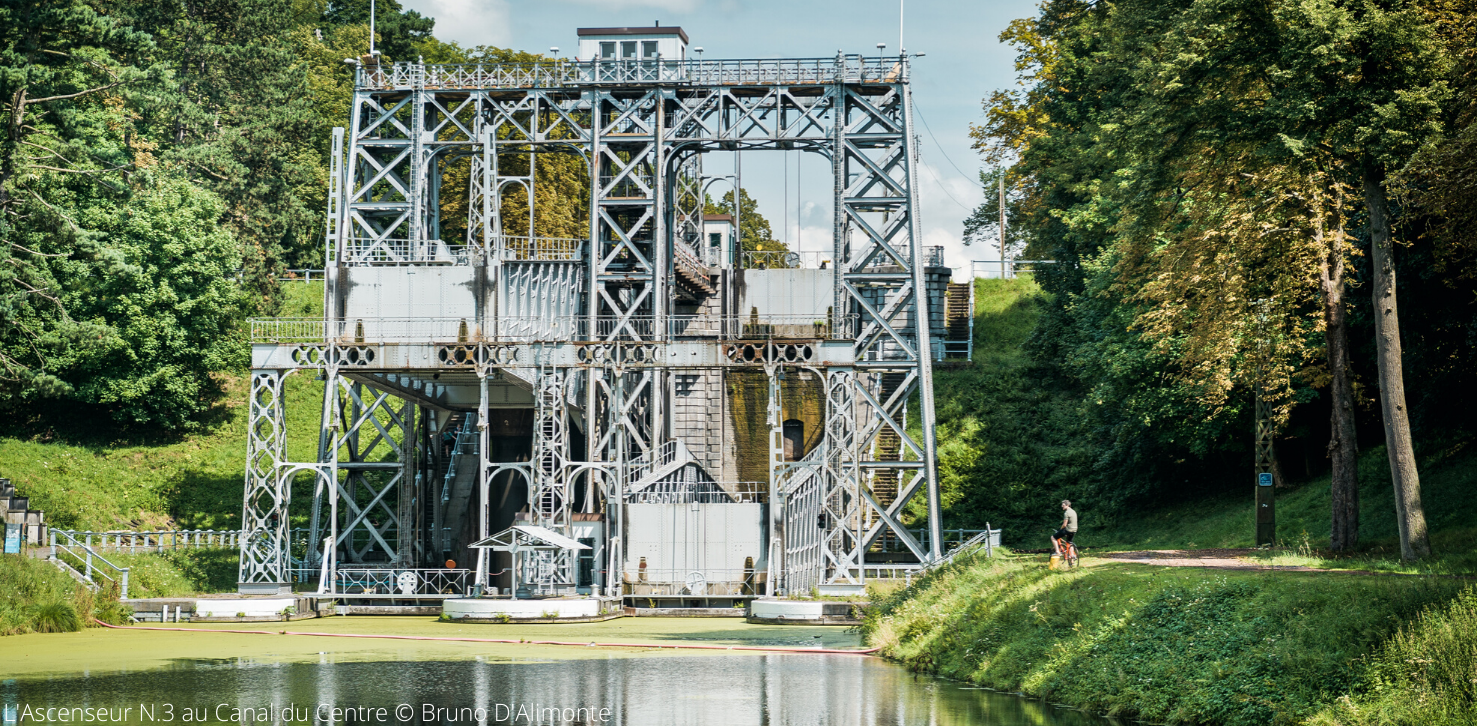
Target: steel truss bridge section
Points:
(588, 328)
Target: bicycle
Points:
(1066, 550)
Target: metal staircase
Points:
(959, 321)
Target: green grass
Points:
(1168, 645)
(1448, 490)
(37, 597)
(179, 573)
(191, 482)
(1009, 446)
(1426, 675)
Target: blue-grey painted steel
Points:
(596, 333)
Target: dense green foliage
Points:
(1193, 167)
(1167, 645)
(161, 163)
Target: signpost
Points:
(1266, 520)
(13, 538)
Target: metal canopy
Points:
(527, 537)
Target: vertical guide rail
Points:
(920, 310)
(775, 419)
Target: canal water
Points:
(752, 689)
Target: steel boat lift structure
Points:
(593, 387)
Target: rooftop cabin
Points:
(632, 43)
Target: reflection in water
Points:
(767, 689)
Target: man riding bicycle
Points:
(1066, 532)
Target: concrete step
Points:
(73, 573)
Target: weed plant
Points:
(37, 597)
(1425, 675)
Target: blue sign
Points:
(12, 539)
(1264, 479)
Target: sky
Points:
(965, 61)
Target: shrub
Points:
(56, 616)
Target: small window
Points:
(607, 50)
(648, 49)
(794, 432)
(715, 239)
(628, 49)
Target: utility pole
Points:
(1266, 511)
(1002, 224)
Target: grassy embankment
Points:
(185, 482)
(1198, 646)
(1189, 644)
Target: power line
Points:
(945, 189)
(941, 146)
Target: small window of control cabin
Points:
(794, 439)
(648, 49)
(715, 239)
(607, 50)
(628, 50)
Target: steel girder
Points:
(641, 140)
(264, 544)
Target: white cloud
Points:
(946, 199)
(468, 22)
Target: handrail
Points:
(87, 558)
(159, 540)
(565, 73)
(531, 329)
(466, 437)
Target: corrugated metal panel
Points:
(788, 292)
(410, 292)
(677, 539)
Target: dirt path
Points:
(1217, 559)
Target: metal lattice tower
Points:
(585, 342)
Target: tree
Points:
(398, 30)
(1367, 80)
(756, 235)
(118, 294)
(241, 122)
(1183, 159)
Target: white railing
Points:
(562, 73)
(705, 492)
(699, 577)
(174, 539)
(687, 261)
(401, 581)
(539, 249)
(785, 259)
(399, 251)
(88, 561)
(301, 276)
(1007, 269)
(529, 329)
(643, 468)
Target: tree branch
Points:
(30, 101)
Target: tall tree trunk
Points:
(1409, 513)
(1343, 447)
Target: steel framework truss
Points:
(640, 129)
